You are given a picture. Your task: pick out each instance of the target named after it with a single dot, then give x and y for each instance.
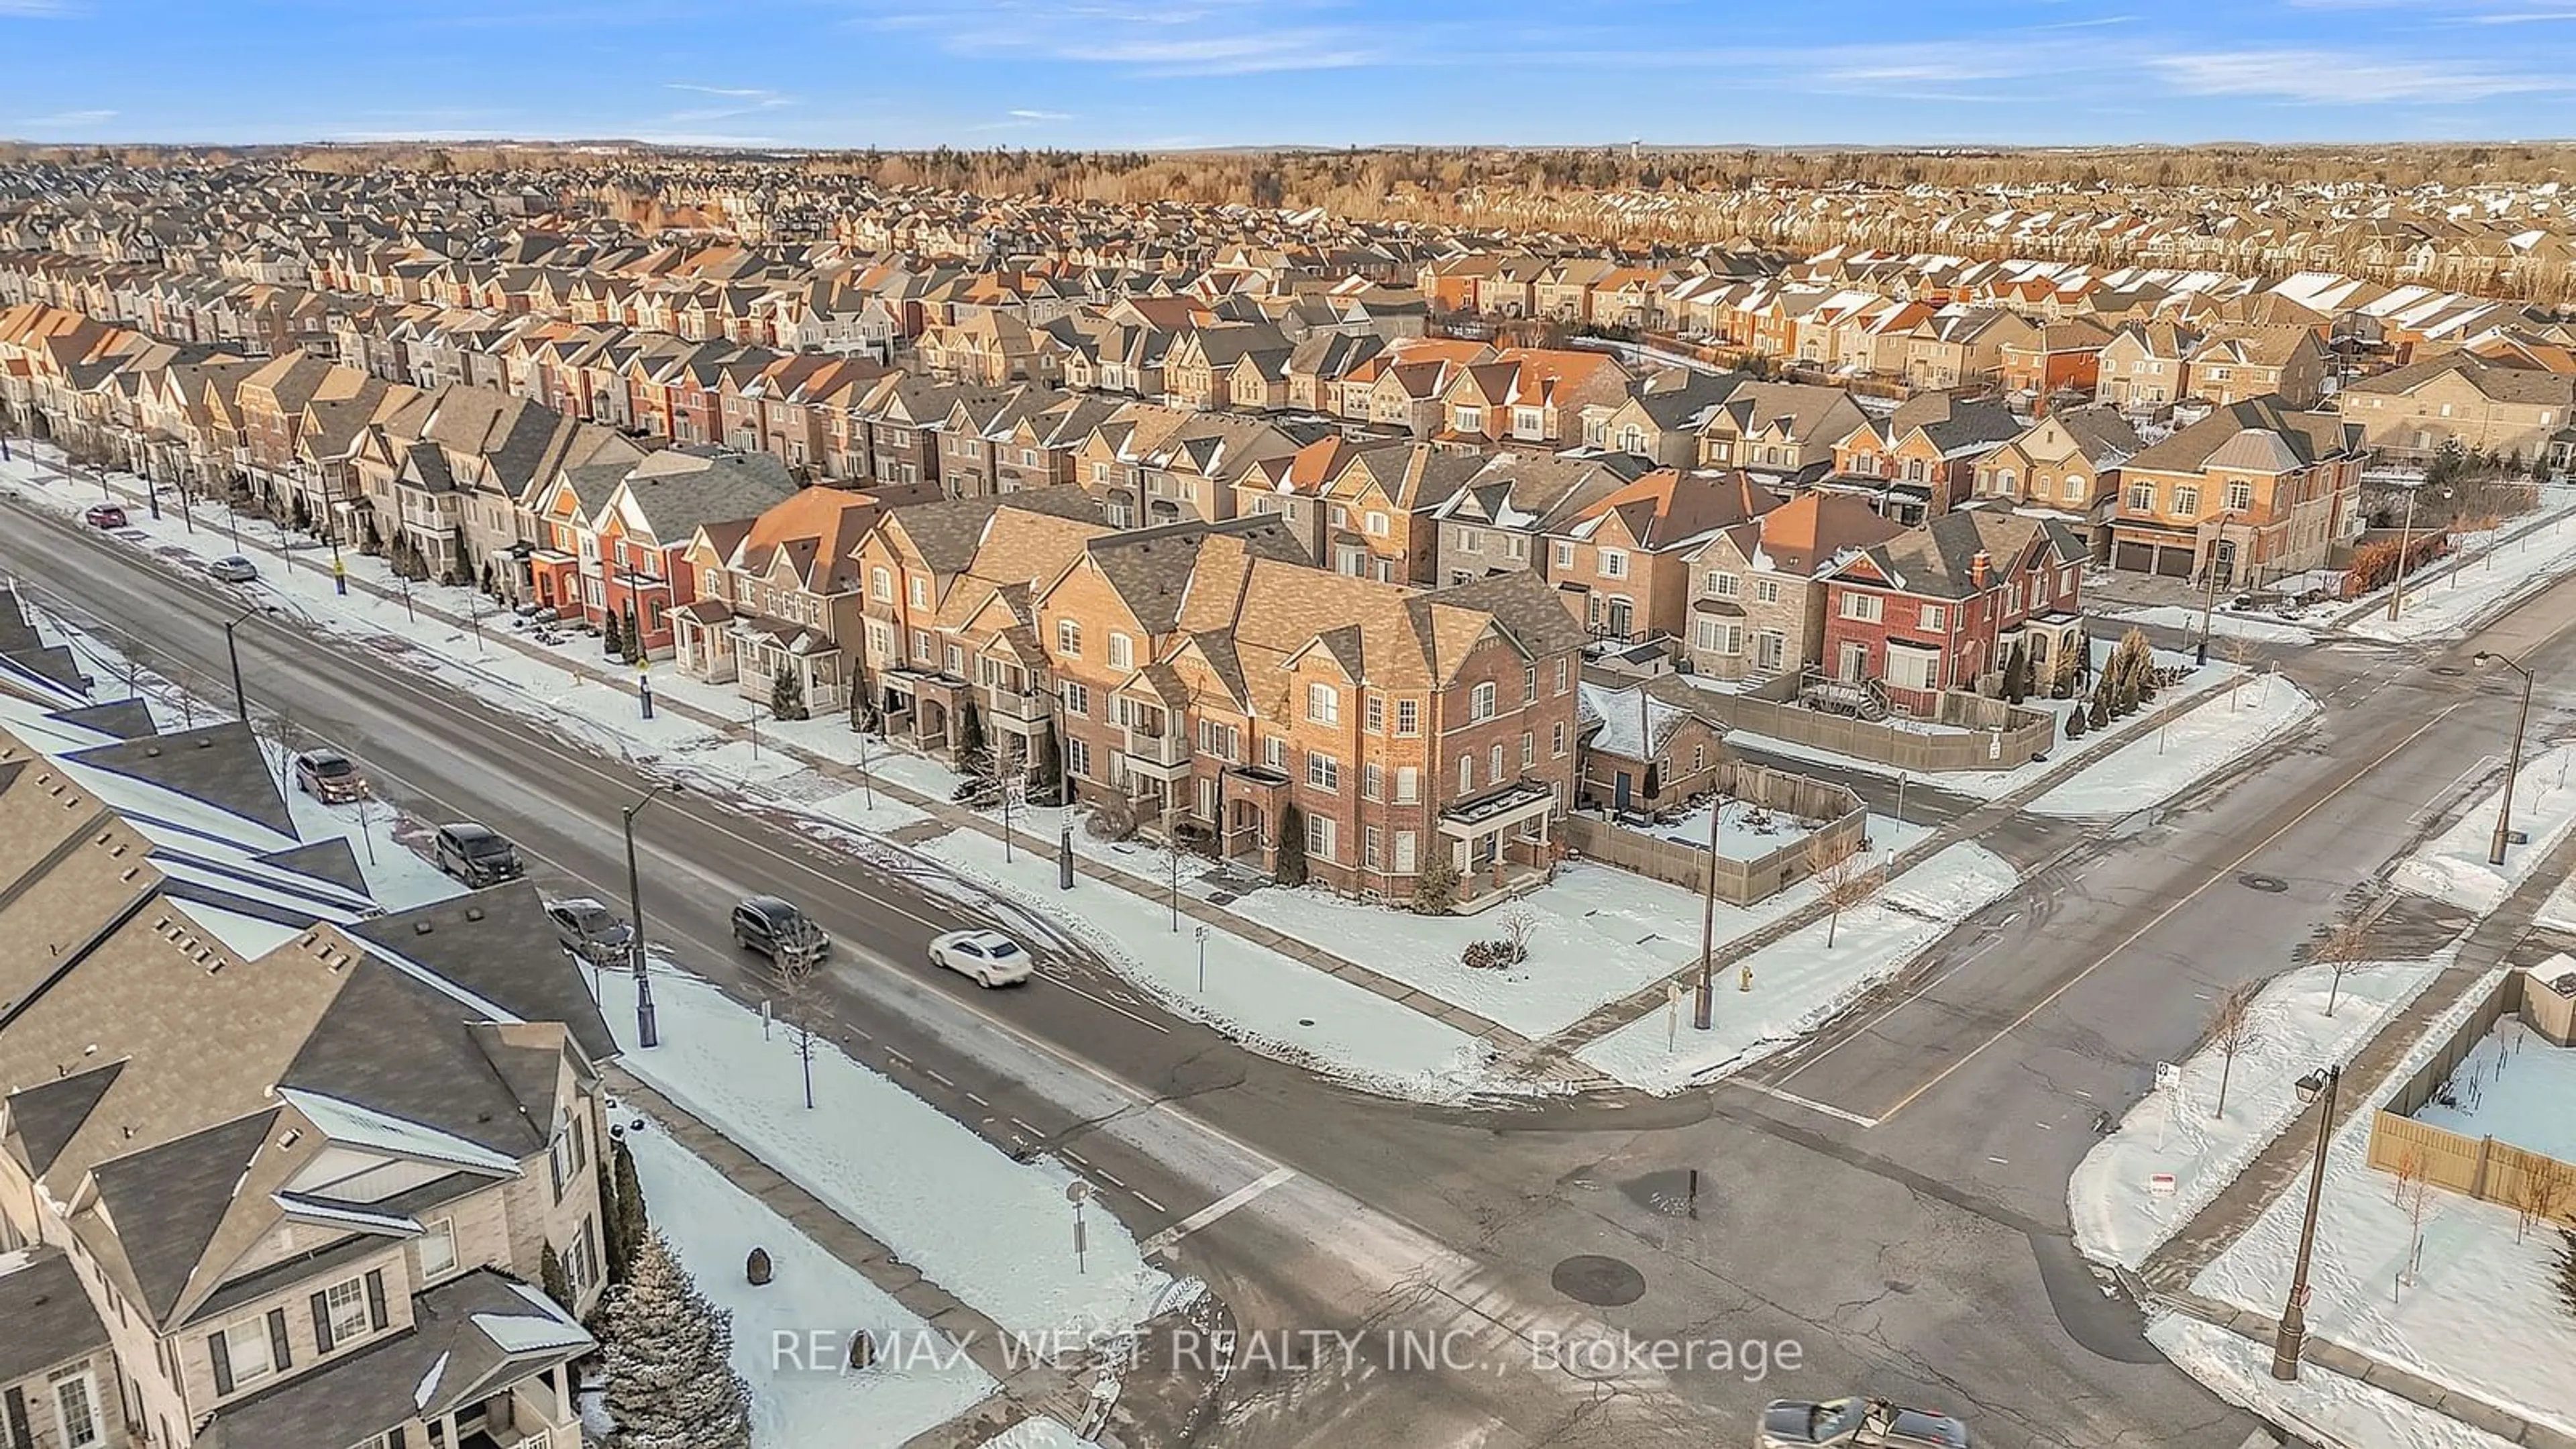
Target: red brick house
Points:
(1941, 606)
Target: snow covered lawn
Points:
(1602, 933)
(2222, 625)
(2117, 1214)
(2323, 1407)
(1745, 831)
(992, 1231)
(2515, 1087)
(814, 1301)
(2480, 1315)
(2479, 586)
(1799, 982)
(1337, 1026)
(2214, 735)
(2453, 866)
(1038, 1433)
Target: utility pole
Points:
(2512, 761)
(2405, 546)
(2293, 1335)
(648, 1030)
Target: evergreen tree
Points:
(2078, 720)
(2100, 714)
(970, 735)
(1292, 846)
(611, 637)
(612, 1246)
(632, 1224)
(671, 1382)
(787, 693)
(552, 1278)
(2563, 1271)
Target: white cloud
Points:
(66, 120)
(740, 101)
(1041, 115)
(2318, 77)
(1210, 37)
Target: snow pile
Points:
(2222, 625)
(2453, 866)
(1038, 1433)
(2475, 588)
(992, 1231)
(1337, 1026)
(2248, 716)
(2323, 1407)
(791, 1338)
(2118, 1214)
(1800, 982)
(2479, 1314)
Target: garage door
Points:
(2137, 558)
(2174, 562)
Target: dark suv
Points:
(779, 931)
(477, 854)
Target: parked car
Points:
(104, 515)
(1856, 1423)
(590, 930)
(329, 776)
(233, 569)
(477, 854)
(778, 930)
(988, 958)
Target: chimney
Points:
(1979, 569)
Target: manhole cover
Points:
(2449, 671)
(1599, 1281)
(2268, 884)
(1305, 1021)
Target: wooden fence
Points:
(1971, 733)
(1739, 882)
(2477, 1167)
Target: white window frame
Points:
(1323, 703)
(1563, 554)
(1122, 651)
(249, 1352)
(437, 1230)
(1862, 608)
(1323, 772)
(85, 1380)
(1480, 702)
(1068, 638)
(364, 1322)
(1408, 785)
(1321, 836)
(1935, 618)
(1614, 563)
(1408, 718)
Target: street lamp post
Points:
(2209, 599)
(1704, 1005)
(2512, 761)
(2293, 1335)
(648, 1029)
(232, 651)
(2405, 546)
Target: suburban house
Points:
(2461, 398)
(781, 592)
(1779, 430)
(2237, 363)
(1962, 345)
(1661, 420)
(617, 536)
(2146, 366)
(1492, 523)
(2256, 488)
(1621, 563)
(1942, 606)
(1921, 460)
(1646, 745)
(1757, 600)
(2066, 464)
(2055, 358)
(325, 1223)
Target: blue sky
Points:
(1177, 73)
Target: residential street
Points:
(1889, 1197)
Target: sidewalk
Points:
(2167, 1277)
(1029, 1388)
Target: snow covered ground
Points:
(992, 1231)
(1990, 784)
(1745, 831)
(2148, 770)
(1799, 982)
(2118, 1213)
(1038, 1433)
(808, 1312)
(2453, 865)
(2222, 624)
(2516, 1088)
(1337, 1026)
(2479, 1314)
(2322, 1407)
(2479, 586)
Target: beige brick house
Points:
(1757, 606)
(2461, 398)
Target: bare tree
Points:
(2540, 1192)
(2414, 1195)
(2240, 652)
(1520, 924)
(2232, 1030)
(1844, 878)
(2344, 949)
(798, 971)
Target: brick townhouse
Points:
(1941, 606)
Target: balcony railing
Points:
(1006, 703)
(1158, 747)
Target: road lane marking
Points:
(1109, 1005)
(1811, 1104)
(1025, 1127)
(1218, 1209)
(2225, 872)
(1149, 1202)
(978, 1101)
(933, 1074)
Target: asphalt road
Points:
(1906, 1230)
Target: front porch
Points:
(921, 709)
(1501, 843)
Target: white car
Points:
(989, 958)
